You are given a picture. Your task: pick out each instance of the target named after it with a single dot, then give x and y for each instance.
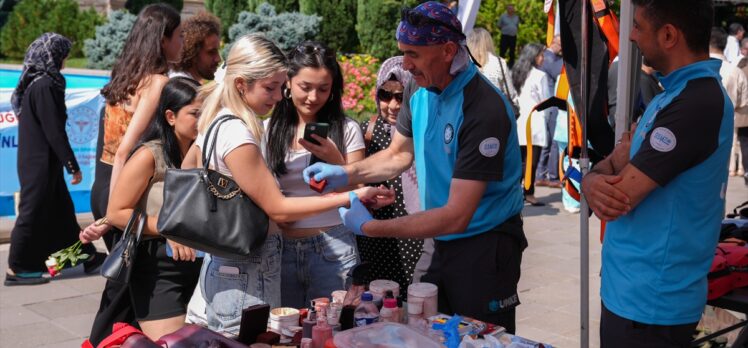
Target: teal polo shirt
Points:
(655, 258)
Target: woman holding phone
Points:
(249, 84)
(318, 251)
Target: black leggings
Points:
(535, 159)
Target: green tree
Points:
(227, 10)
(338, 27)
(376, 24)
(134, 6)
(31, 18)
(6, 6)
(280, 5)
(286, 29)
(532, 25)
(104, 49)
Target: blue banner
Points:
(84, 107)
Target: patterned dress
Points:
(390, 258)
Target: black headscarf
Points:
(43, 58)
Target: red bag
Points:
(729, 269)
(719, 277)
(124, 336)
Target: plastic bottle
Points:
(415, 315)
(322, 331)
(308, 324)
(402, 314)
(366, 313)
(389, 312)
(359, 276)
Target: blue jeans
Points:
(230, 285)
(316, 266)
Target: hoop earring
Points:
(332, 95)
(287, 93)
(241, 93)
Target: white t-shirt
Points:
(292, 183)
(231, 134)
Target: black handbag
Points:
(206, 210)
(117, 267)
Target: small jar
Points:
(379, 287)
(283, 318)
(427, 293)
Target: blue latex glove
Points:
(356, 216)
(451, 331)
(335, 175)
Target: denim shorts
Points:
(316, 266)
(230, 285)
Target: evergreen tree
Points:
(338, 27)
(226, 10)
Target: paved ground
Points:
(59, 314)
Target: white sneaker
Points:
(573, 210)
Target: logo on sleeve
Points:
(489, 147)
(662, 139)
(449, 133)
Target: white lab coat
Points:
(535, 90)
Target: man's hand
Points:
(604, 199)
(356, 216)
(77, 178)
(335, 175)
(180, 252)
(620, 156)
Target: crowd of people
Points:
(442, 160)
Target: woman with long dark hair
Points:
(131, 95)
(46, 217)
(317, 251)
(161, 284)
(534, 88)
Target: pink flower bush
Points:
(359, 89)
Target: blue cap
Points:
(367, 296)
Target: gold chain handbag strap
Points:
(220, 195)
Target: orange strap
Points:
(608, 23)
(528, 158)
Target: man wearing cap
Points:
(461, 132)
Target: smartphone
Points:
(320, 129)
(254, 322)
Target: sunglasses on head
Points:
(386, 96)
(420, 20)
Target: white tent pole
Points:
(584, 162)
(466, 13)
(629, 63)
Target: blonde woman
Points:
(248, 85)
(481, 46)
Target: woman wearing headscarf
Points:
(391, 258)
(46, 216)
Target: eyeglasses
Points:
(386, 96)
(420, 20)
